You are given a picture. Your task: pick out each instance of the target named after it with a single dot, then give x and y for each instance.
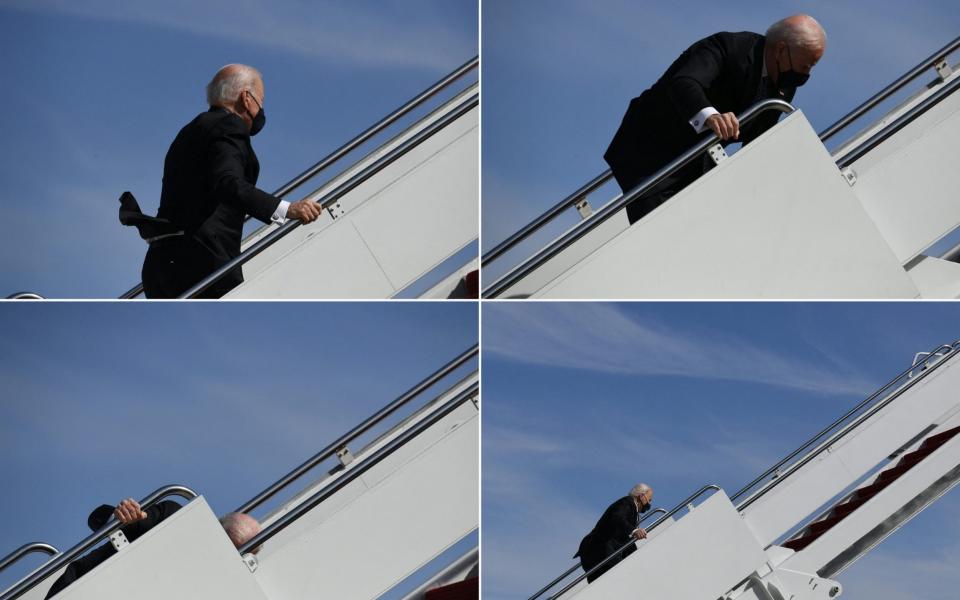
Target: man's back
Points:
(722, 70)
(200, 189)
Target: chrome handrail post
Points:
(26, 549)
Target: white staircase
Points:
(792, 532)
(781, 218)
(383, 512)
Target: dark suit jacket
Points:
(723, 71)
(209, 183)
(97, 519)
(611, 532)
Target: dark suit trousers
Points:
(590, 561)
(660, 193)
(174, 265)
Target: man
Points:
(209, 179)
(239, 527)
(704, 89)
(618, 525)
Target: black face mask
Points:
(644, 507)
(259, 120)
(790, 79)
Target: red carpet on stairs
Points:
(859, 497)
(468, 589)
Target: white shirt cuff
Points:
(280, 215)
(699, 120)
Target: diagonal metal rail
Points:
(332, 448)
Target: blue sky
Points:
(558, 75)
(97, 90)
(582, 400)
(102, 401)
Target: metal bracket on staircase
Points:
(336, 210)
(583, 207)
(251, 561)
(118, 540)
(849, 175)
(344, 456)
(943, 68)
(717, 153)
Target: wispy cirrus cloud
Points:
(602, 337)
(361, 33)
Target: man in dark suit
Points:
(239, 528)
(209, 185)
(704, 89)
(618, 525)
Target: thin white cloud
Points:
(602, 338)
(362, 34)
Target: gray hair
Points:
(240, 527)
(798, 31)
(639, 489)
(229, 82)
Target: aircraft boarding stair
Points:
(381, 514)
(781, 218)
(395, 220)
(790, 532)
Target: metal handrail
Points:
(888, 91)
(25, 296)
(357, 430)
(90, 541)
(568, 202)
(361, 138)
(577, 566)
(945, 352)
(899, 123)
(26, 549)
(615, 205)
(675, 510)
(336, 485)
(330, 197)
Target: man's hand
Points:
(724, 125)
(640, 533)
(128, 511)
(306, 210)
